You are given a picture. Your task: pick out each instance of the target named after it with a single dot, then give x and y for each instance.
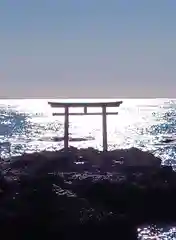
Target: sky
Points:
(87, 48)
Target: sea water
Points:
(28, 126)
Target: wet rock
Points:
(168, 140)
(136, 157)
(112, 161)
(54, 192)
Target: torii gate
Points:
(104, 114)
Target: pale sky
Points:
(87, 48)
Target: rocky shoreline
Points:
(110, 193)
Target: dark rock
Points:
(54, 194)
(168, 140)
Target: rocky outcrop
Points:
(136, 157)
(85, 192)
(79, 160)
(85, 204)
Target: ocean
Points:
(148, 124)
(28, 126)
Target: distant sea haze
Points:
(28, 126)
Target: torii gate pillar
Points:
(104, 114)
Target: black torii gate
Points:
(104, 113)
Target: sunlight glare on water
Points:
(28, 125)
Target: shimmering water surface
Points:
(28, 126)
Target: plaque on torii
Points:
(85, 106)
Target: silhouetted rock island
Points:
(85, 193)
